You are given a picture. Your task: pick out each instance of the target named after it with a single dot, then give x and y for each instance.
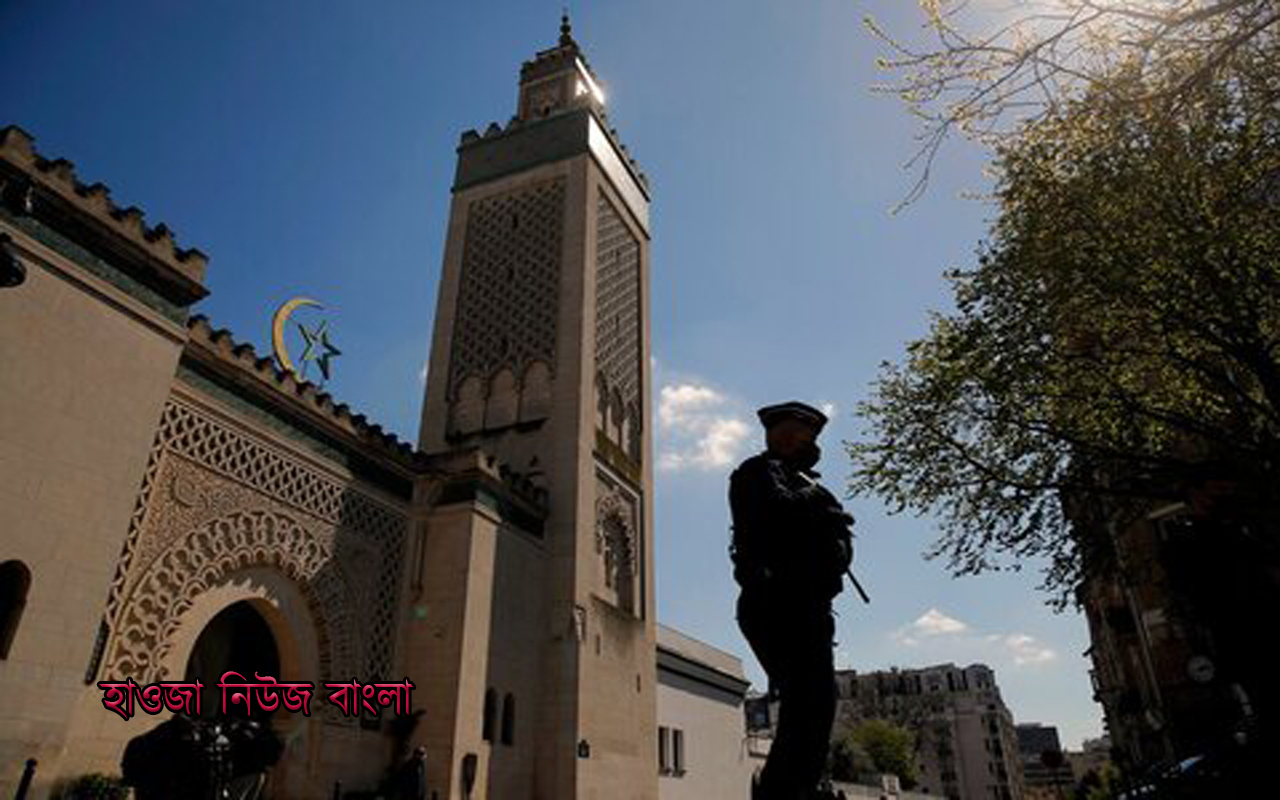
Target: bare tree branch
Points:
(985, 85)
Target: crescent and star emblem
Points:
(317, 347)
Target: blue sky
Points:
(308, 148)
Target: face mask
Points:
(808, 456)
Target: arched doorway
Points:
(228, 757)
(15, 581)
(256, 619)
(238, 638)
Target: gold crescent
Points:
(277, 329)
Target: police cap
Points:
(772, 415)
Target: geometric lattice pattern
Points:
(218, 447)
(618, 316)
(509, 284)
(215, 500)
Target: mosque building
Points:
(175, 504)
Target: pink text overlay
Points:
(264, 693)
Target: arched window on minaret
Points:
(633, 443)
(619, 560)
(616, 406)
(509, 719)
(490, 712)
(602, 402)
(15, 580)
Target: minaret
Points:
(540, 357)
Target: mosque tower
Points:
(537, 629)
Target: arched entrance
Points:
(220, 755)
(237, 639)
(256, 619)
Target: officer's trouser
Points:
(794, 646)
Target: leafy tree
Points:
(1101, 784)
(983, 70)
(875, 747)
(1117, 341)
(847, 761)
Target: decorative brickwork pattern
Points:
(508, 297)
(215, 501)
(617, 348)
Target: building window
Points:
(15, 580)
(490, 710)
(664, 750)
(677, 751)
(95, 658)
(509, 719)
(671, 751)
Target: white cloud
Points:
(685, 405)
(720, 444)
(829, 409)
(961, 642)
(934, 623)
(931, 623)
(422, 373)
(1026, 650)
(697, 428)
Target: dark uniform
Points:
(791, 546)
(411, 782)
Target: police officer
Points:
(411, 782)
(791, 546)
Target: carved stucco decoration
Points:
(203, 559)
(215, 501)
(617, 335)
(617, 544)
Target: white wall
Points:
(717, 764)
